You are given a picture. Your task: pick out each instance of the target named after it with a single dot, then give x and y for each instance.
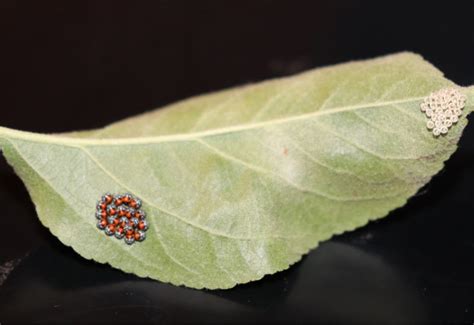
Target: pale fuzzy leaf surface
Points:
(241, 183)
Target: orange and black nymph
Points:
(120, 216)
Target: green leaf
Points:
(241, 183)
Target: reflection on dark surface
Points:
(350, 285)
(337, 283)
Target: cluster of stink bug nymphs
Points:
(443, 109)
(120, 216)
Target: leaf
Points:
(241, 183)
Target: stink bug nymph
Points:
(119, 216)
(129, 239)
(119, 233)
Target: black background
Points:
(69, 65)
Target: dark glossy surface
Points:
(77, 65)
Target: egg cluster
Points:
(443, 108)
(120, 216)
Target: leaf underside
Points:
(241, 183)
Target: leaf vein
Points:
(48, 182)
(65, 140)
(267, 172)
(150, 203)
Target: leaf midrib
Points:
(55, 139)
